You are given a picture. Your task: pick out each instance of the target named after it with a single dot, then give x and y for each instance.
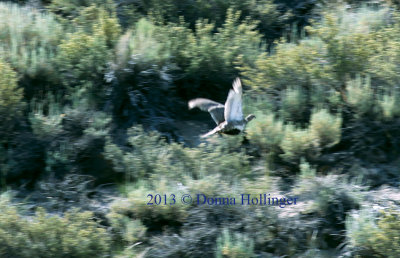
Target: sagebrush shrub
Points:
(82, 61)
(266, 132)
(151, 156)
(389, 106)
(306, 170)
(329, 194)
(29, 39)
(373, 233)
(70, 9)
(234, 245)
(292, 65)
(75, 234)
(145, 42)
(46, 125)
(94, 18)
(11, 99)
(294, 104)
(360, 95)
(325, 129)
(211, 59)
(296, 143)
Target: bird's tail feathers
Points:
(237, 85)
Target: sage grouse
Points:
(228, 117)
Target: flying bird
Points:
(228, 117)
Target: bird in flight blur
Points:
(228, 117)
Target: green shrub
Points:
(46, 125)
(29, 38)
(360, 95)
(151, 156)
(194, 52)
(210, 59)
(325, 129)
(306, 171)
(331, 195)
(11, 103)
(266, 132)
(126, 230)
(94, 18)
(28, 41)
(348, 35)
(70, 9)
(83, 55)
(294, 104)
(226, 156)
(73, 137)
(343, 42)
(136, 206)
(44, 235)
(145, 42)
(165, 11)
(218, 187)
(82, 61)
(296, 143)
(291, 66)
(388, 105)
(324, 95)
(325, 200)
(234, 246)
(204, 224)
(148, 155)
(371, 234)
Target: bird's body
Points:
(229, 117)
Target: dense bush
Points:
(29, 42)
(11, 103)
(215, 11)
(154, 62)
(204, 224)
(94, 18)
(29, 38)
(70, 9)
(234, 246)
(140, 80)
(325, 129)
(294, 104)
(82, 60)
(128, 213)
(335, 68)
(327, 199)
(44, 235)
(292, 66)
(74, 137)
(296, 143)
(373, 233)
(150, 156)
(266, 133)
(360, 96)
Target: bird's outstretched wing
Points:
(233, 105)
(215, 109)
(215, 130)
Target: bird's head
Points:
(250, 117)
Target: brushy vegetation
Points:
(94, 119)
(43, 235)
(374, 233)
(11, 102)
